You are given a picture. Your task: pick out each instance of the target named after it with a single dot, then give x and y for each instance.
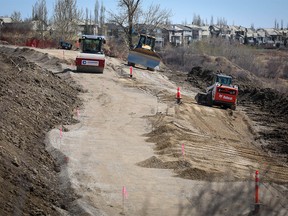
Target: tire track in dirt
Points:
(196, 126)
(220, 141)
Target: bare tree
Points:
(154, 18)
(131, 12)
(16, 16)
(212, 20)
(96, 15)
(65, 19)
(86, 28)
(102, 18)
(197, 20)
(128, 10)
(39, 14)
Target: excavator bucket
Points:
(144, 54)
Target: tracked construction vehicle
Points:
(144, 54)
(221, 93)
(91, 57)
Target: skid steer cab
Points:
(91, 57)
(221, 93)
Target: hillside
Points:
(129, 133)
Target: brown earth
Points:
(220, 145)
(33, 101)
(267, 107)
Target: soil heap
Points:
(33, 101)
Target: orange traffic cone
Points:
(178, 96)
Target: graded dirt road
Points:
(131, 133)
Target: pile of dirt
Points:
(265, 106)
(269, 108)
(33, 101)
(198, 129)
(210, 154)
(182, 168)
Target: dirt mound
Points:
(152, 162)
(199, 77)
(33, 101)
(182, 168)
(264, 105)
(195, 174)
(269, 108)
(210, 154)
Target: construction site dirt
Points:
(71, 142)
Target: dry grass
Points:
(270, 66)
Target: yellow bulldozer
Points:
(144, 54)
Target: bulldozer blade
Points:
(146, 59)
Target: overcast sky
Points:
(262, 13)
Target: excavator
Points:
(221, 93)
(91, 57)
(144, 54)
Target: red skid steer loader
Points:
(221, 93)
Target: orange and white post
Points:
(257, 203)
(178, 96)
(131, 71)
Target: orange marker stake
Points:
(61, 132)
(124, 196)
(183, 151)
(131, 71)
(178, 96)
(257, 187)
(257, 204)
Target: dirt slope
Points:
(33, 100)
(131, 133)
(267, 107)
(220, 147)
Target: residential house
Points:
(215, 30)
(4, 20)
(39, 25)
(179, 35)
(261, 36)
(113, 30)
(250, 36)
(160, 34)
(238, 33)
(274, 35)
(196, 32)
(204, 32)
